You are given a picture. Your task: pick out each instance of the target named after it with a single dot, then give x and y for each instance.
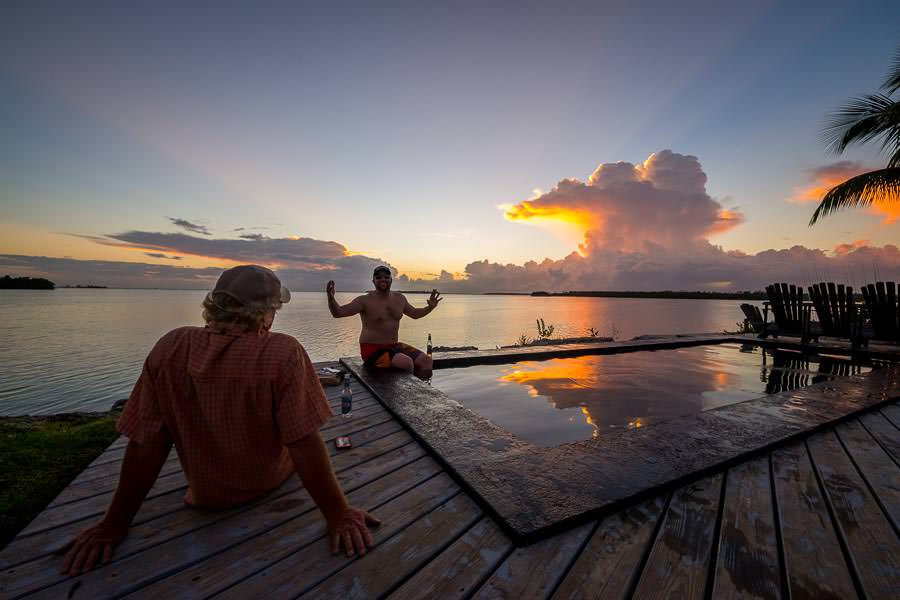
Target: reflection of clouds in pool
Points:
(567, 399)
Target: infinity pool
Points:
(556, 401)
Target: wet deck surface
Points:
(817, 518)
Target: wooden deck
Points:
(816, 519)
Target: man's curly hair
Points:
(222, 309)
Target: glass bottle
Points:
(346, 399)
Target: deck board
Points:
(459, 569)
(314, 564)
(831, 501)
(679, 561)
(870, 539)
(876, 467)
(814, 563)
(610, 562)
(535, 571)
(747, 558)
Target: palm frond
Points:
(863, 119)
(894, 160)
(892, 81)
(862, 190)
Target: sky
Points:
(472, 146)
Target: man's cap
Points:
(253, 286)
(381, 269)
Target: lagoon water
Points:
(82, 349)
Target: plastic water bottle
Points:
(346, 399)
(428, 347)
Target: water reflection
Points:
(555, 401)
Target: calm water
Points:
(564, 400)
(71, 349)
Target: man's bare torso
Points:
(381, 317)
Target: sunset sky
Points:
(487, 145)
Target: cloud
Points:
(304, 264)
(252, 236)
(647, 227)
(706, 267)
(161, 255)
(626, 207)
(188, 226)
(822, 179)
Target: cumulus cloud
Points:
(626, 207)
(191, 227)
(647, 227)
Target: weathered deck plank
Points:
(456, 571)
(401, 555)
(251, 556)
(876, 467)
(814, 563)
(892, 413)
(609, 565)
(884, 433)
(535, 571)
(313, 564)
(747, 559)
(870, 539)
(679, 561)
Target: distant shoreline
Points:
(666, 294)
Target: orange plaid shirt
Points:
(230, 402)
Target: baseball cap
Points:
(381, 269)
(253, 286)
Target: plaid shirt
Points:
(231, 402)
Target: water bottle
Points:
(428, 347)
(346, 399)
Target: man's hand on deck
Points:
(350, 529)
(329, 288)
(434, 299)
(91, 545)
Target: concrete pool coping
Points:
(536, 492)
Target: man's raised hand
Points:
(329, 288)
(434, 299)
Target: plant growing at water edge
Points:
(613, 331)
(544, 331)
(593, 332)
(742, 327)
(523, 340)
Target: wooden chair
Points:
(754, 319)
(836, 311)
(881, 304)
(791, 315)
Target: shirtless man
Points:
(381, 311)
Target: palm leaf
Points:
(892, 81)
(862, 190)
(861, 120)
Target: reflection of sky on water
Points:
(562, 400)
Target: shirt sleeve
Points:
(142, 421)
(301, 406)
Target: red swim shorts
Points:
(381, 355)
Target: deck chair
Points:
(753, 318)
(836, 311)
(881, 304)
(791, 316)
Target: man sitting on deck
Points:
(381, 311)
(243, 407)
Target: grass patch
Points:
(38, 458)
